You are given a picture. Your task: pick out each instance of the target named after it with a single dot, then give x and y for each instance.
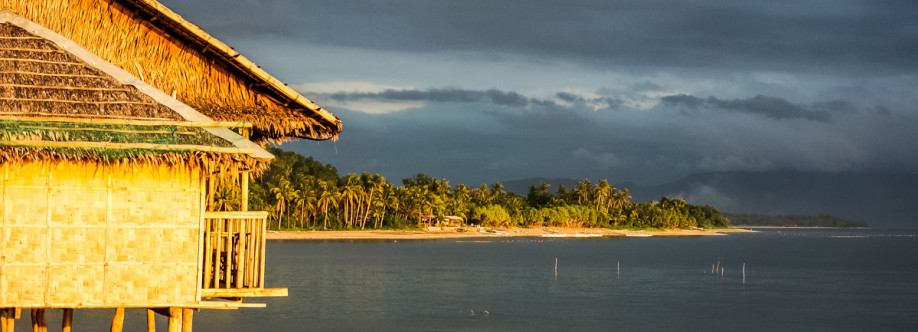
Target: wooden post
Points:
(15, 313)
(175, 319)
(245, 192)
(67, 321)
(4, 319)
(151, 320)
(38, 320)
(187, 317)
(118, 321)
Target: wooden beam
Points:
(115, 121)
(67, 321)
(236, 215)
(258, 292)
(124, 146)
(118, 321)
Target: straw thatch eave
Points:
(59, 102)
(164, 50)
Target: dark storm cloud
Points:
(772, 107)
(861, 36)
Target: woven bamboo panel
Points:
(26, 206)
(79, 208)
(105, 236)
(25, 245)
(149, 284)
(24, 286)
(86, 286)
(153, 245)
(91, 248)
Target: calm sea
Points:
(795, 280)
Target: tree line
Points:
(302, 193)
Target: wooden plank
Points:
(106, 119)
(123, 146)
(228, 273)
(236, 214)
(118, 321)
(257, 292)
(240, 257)
(218, 248)
(113, 102)
(208, 247)
(67, 321)
(187, 319)
(261, 253)
(204, 237)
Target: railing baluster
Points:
(239, 261)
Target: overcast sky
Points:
(637, 90)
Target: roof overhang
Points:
(243, 145)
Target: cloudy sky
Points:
(636, 90)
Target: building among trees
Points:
(119, 123)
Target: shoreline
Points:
(472, 232)
(798, 227)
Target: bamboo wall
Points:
(87, 235)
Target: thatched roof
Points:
(60, 102)
(158, 46)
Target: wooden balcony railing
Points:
(234, 253)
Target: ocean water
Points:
(795, 280)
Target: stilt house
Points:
(118, 121)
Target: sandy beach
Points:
(474, 232)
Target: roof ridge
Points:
(241, 60)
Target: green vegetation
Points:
(301, 193)
(822, 220)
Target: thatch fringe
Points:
(213, 163)
(116, 31)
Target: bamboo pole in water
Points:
(556, 267)
(744, 273)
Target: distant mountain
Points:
(880, 199)
(822, 220)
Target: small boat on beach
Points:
(638, 235)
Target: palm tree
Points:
(350, 193)
(497, 192)
(583, 191)
(328, 197)
(602, 192)
(284, 192)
